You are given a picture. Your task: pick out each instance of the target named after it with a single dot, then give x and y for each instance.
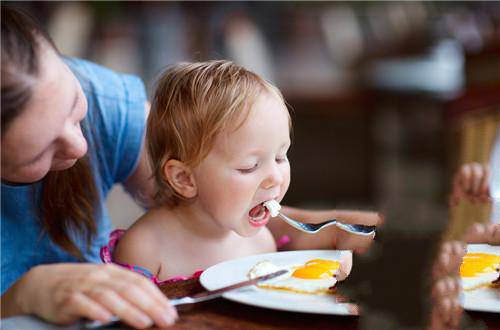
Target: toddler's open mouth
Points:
(259, 215)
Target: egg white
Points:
(478, 281)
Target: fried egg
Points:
(315, 276)
(479, 270)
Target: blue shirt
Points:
(116, 119)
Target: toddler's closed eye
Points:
(248, 170)
(282, 159)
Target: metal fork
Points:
(312, 228)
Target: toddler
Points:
(217, 138)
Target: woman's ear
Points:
(180, 177)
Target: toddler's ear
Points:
(180, 177)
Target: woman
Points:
(46, 133)
(70, 131)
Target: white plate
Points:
(233, 271)
(484, 299)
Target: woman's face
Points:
(46, 136)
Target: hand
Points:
(344, 240)
(446, 310)
(63, 293)
(481, 233)
(471, 183)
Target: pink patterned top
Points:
(107, 257)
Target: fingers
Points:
(484, 188)
(120, 307)
(448, 312)
(471, 183)
(494, 230)
(475, 179)
(66, 292)
(446, 287)
(136, 297)
(455, 250)
(150, 288)
(144, 296)
(480, 233)
(79, 305)
(446, 309)
(128, 295)
(449, 259)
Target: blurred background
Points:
(387, 98)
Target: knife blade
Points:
(207, 295)
(199, 297)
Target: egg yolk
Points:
(317, 269)
(477, 263)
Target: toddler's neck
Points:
(192, 219)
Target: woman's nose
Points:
(274, 178)
(73, 143)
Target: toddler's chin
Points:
(249, 231)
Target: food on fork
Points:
(273, 206)
(479, 270)
(317, 276)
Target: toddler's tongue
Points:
(256, 211)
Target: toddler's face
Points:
(247, 167)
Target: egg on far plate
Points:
(316, 276)
(479, 270)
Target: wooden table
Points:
(224, 314)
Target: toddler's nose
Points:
(274, 178)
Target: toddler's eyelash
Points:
(247, 170)
(282, 159)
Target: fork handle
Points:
(296, 224)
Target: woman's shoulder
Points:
(103, 82)
(115, 120)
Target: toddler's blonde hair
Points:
(192, 104)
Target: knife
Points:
(199, 297)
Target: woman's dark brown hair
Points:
(69, 198)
